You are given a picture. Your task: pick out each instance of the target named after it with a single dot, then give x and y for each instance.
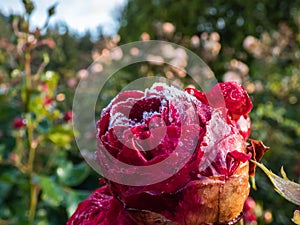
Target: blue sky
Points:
(79, 15)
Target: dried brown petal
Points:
(257, 149)
(215, 201)
(234, 194)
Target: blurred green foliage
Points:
(43, 176)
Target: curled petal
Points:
(257, 150)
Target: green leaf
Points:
(283, 174)
(14, 177)
(36, 104)
(72, 175)
(42, 216)
(60, 139)
(51, 79)
(15, 73)
(46, 58)
(286, 188)
(61, 136)
(43, 126)
(52, 193)
(253, 182)
(4, 190)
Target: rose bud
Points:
(18, 123)
(248, 211)
(68, 115)
(48, 100)
(204, 135)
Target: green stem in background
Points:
(34, 188)
(34, 191)
(28, 69)
(28, 79)
(29, 130)
(32, 148)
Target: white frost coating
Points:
(176, 97)
(169, 92)
(118, 119)
(181, 108)
(243, 124)
(219, 136)
(169, 95)
(147, 115)
(121, 117)
(184, 103)
(217, 129)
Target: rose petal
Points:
(102, 209)
(236, 98)
(257, 150)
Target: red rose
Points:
(206, 131)
(248, 210)
(100, 208)
(68, 115)
(18, 122)
(48, 100)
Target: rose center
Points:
(144, 109)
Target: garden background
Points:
(42, 174)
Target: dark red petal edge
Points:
(257, 150)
